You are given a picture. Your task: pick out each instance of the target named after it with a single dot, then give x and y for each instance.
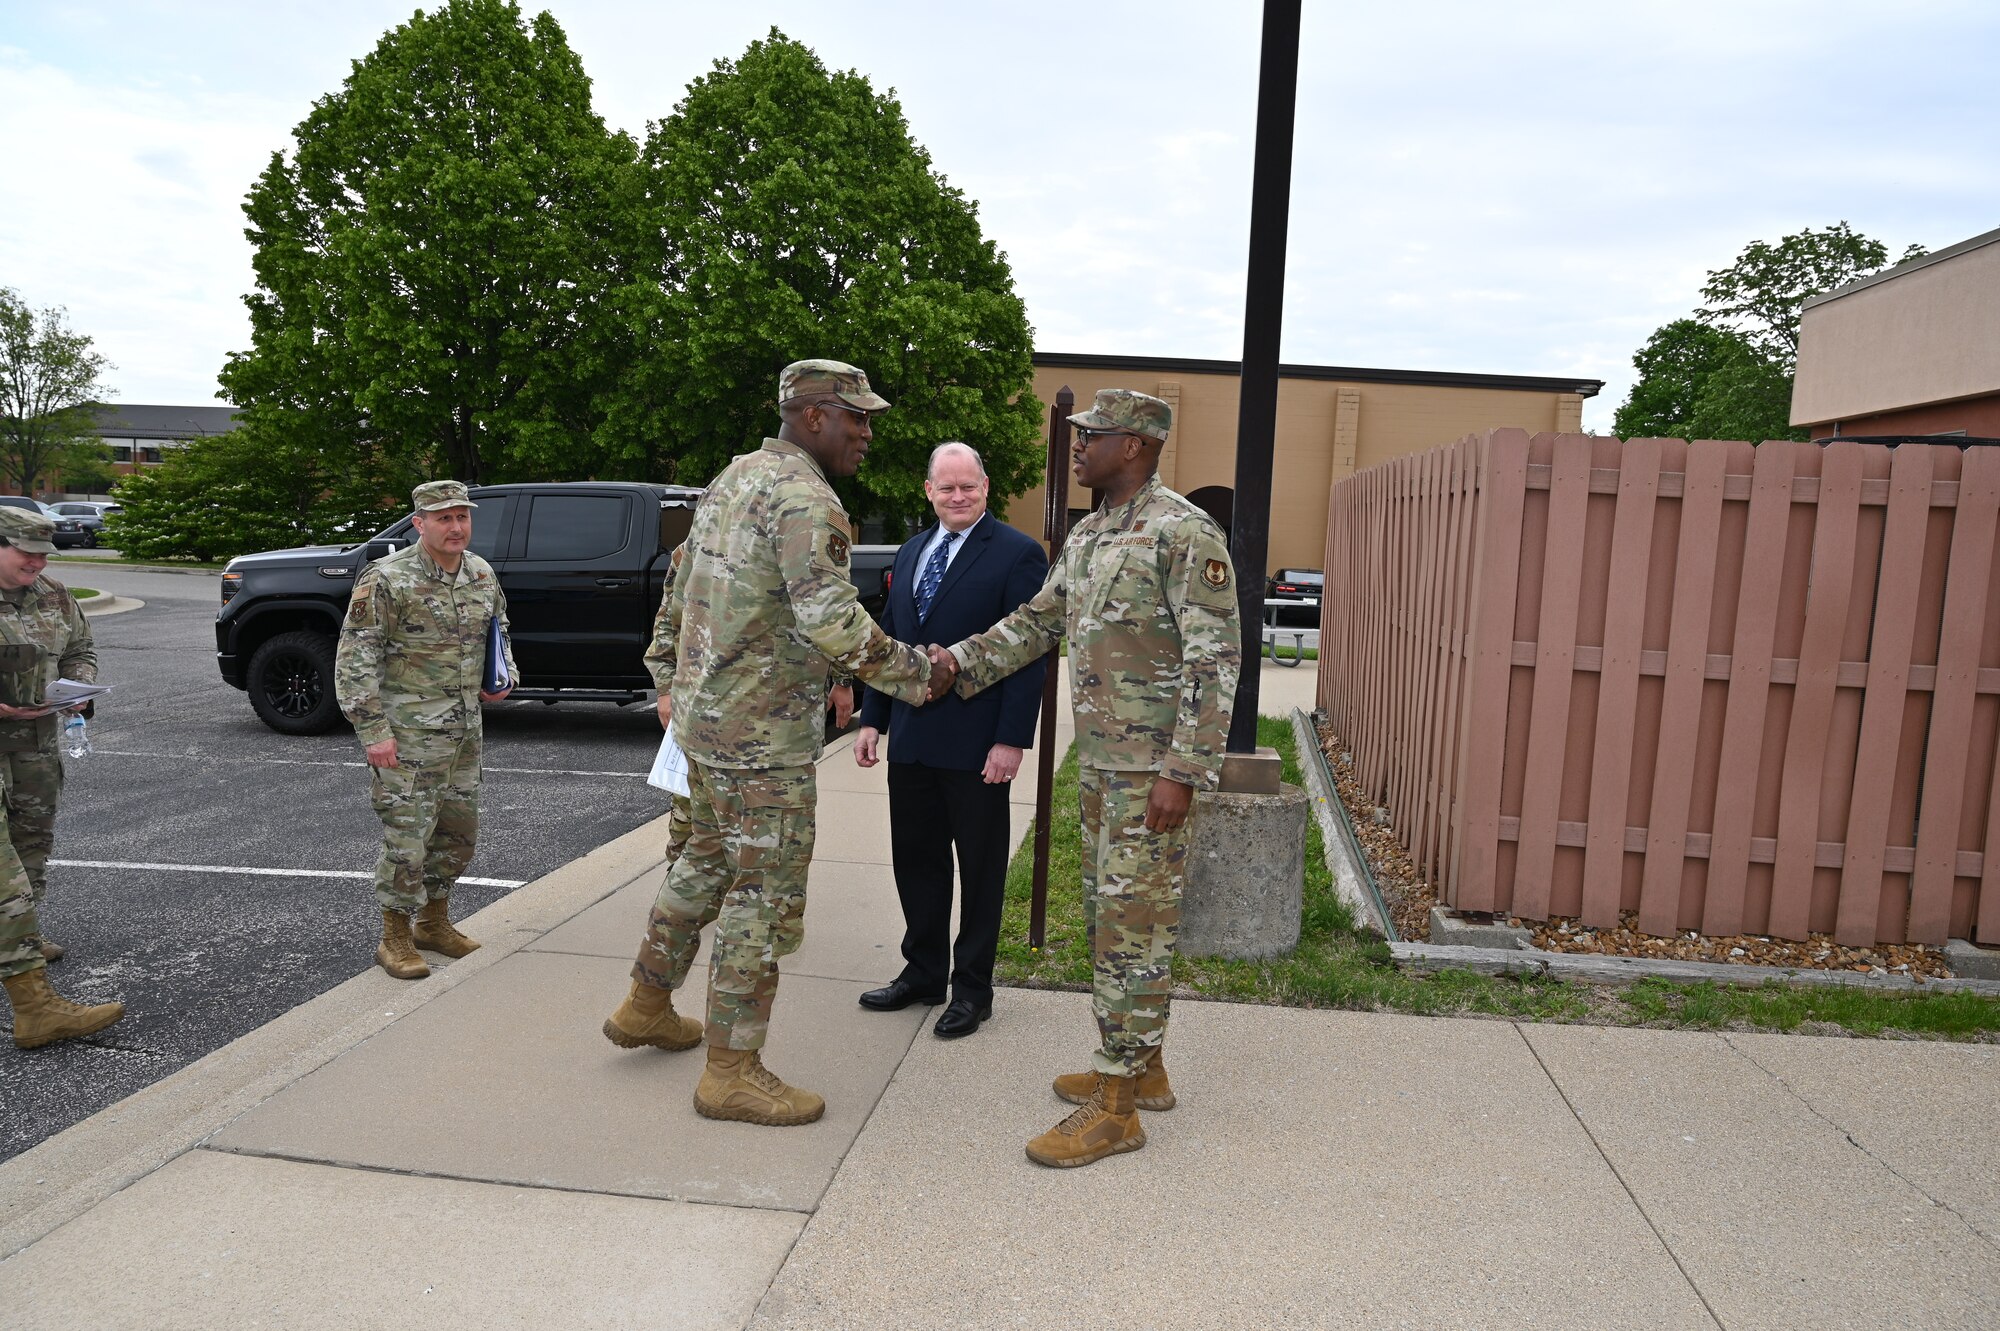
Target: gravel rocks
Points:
(1407, 893)
(1410, 897)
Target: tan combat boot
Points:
(1151, 1093)
(647, 1017)
(398, 954)
(40, 1017)
(1107, 1125)
(737, 1085)
(51, 951)
(434, 931)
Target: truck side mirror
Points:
(374, 550)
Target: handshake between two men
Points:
(944, 672)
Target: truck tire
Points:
(291, 683)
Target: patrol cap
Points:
(434, 495)
(815, 378)
(1124, 409)
(27, 529)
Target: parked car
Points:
(69, 531)
(1300, 585)
(91, 513)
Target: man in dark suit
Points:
(951, 762)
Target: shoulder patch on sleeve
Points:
(1215, 573)
(836, 547)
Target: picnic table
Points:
(1272, 631)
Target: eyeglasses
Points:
(838, 405)
(1087, 436)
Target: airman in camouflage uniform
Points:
(760, 611)
(43, 637)
(1145, 593)
(408, 675)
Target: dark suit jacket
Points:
(999, 569)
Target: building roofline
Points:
(1902, 269)
(163, 420)
(1532, 383)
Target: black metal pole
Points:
(1263, 318)
(1055, 528)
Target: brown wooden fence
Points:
(1735, 689)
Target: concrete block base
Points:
(1969, 961)
(1246, 875)
(1258, 773)
(1450, 929)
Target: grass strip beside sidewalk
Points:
(1335, 967)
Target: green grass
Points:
(126, 561)
(1335, 967)
(83, 593)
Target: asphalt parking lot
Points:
(213, 874)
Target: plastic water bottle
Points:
(75, 735)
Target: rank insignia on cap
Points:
(836, 548)
(1215, 573)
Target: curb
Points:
(52, 1183)
(1624, 970)
(97, 607)
(1352, 881)
(136, 568)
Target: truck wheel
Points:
(291, 683)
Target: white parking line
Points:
(327, 762)
(268, 873)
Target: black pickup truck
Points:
(583, 564)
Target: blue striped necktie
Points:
(933, 575)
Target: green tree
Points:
(230, 494)
(789, 214)
(1761, 295)
(88, 470)
(1726, 372)
(430, 252)
(49, 380)
(1697, 381)
(1673, 366)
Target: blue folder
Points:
(495, 679)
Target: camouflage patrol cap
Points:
(27, 529)
(1124, 409)
(434, 495)
(813, 378)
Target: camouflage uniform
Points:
(43, 637)
(411, 657)
(19, 926)
(1146, 596)
(761, 609)
(679, 824)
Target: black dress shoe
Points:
(896, 996)
(962, 1018)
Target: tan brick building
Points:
(1332, 421)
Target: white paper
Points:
(670, 767)
(70, 692)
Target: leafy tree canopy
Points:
(1761, 295)
(230, 494)
(790, 215)
(1726, 372)
(426, 257)
(49, 380)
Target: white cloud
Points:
(1505, 188)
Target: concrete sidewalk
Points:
(468, 1151)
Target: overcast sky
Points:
(1504, 188)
